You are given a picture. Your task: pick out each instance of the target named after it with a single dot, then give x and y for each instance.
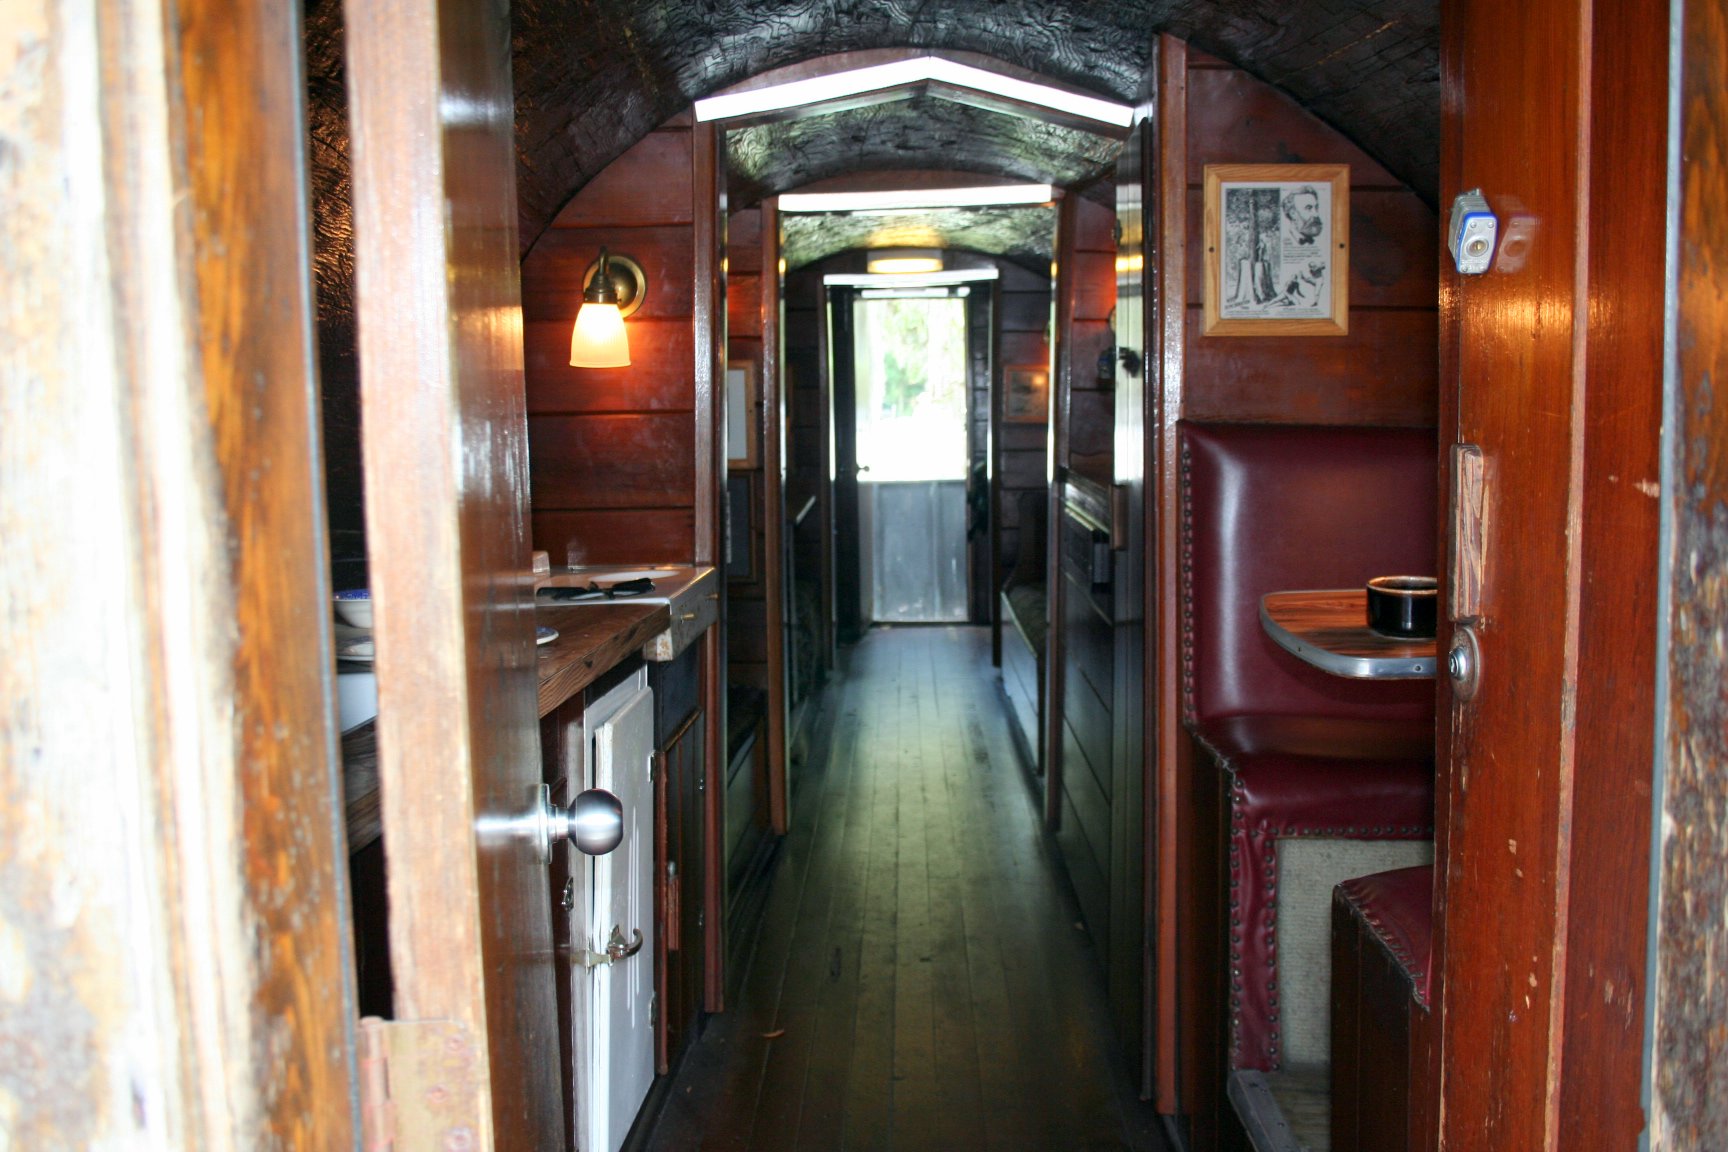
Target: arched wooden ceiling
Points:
(594, 76)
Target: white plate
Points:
(545, 635)
(360, 650)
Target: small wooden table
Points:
(1328, 629)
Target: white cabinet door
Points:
(620, 914)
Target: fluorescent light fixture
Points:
(901, 73)
(928, 279)
(904, 261)
(914, 293)
(997, 195)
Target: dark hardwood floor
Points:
(921, 980)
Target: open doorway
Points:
(909, 364)
(910, 361)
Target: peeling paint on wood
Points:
(1689, 1110)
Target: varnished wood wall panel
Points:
(747, 621)
(1022, 323)
(607, 439)
(611, 460)
(1385, 372)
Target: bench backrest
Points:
(1273, 508)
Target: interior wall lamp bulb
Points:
(598, 339)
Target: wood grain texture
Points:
(1617, 469)
(160, 968)
(1135, 302)
(1337, 622)
(638, 460)
(553, 273)
(602, 440)
(1546, 786)
(592, 640)
(658, 379)
(1380, 375)
(1688, 1110)
(242, 121)
(470, 930)
(1176, 1037)
(917, 954)
(1237, 118)
(618, 196)
(771, 432)
(616, 536)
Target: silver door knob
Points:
(594, 823)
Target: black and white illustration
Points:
(1277, 251)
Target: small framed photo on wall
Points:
(741, 414)
(1026, 394)
(1277, 250)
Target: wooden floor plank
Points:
(919, 982)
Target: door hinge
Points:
(419, 1085)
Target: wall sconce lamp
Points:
(612, 289)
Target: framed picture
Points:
(741, 413)
(1277, 250)
(1026, 394)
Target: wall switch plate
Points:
(1470, 235)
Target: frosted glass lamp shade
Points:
(598, 339)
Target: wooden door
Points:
(445, 451)
(1557, 112)
(176, 973)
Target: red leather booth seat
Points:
(1302, 752)
(1382, 941)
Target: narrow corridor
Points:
(921, 980)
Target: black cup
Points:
(1403, 606)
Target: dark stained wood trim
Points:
(1167, 742)
(774, 520)
(709, 293)
(1055, 471)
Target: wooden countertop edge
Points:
(592, 639)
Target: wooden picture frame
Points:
(1026, 394)
(741, 422)
(1277, 250)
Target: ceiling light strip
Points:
(857, 81)
(990, 196)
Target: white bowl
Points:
(354, 606)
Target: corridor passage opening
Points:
(909, 355)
